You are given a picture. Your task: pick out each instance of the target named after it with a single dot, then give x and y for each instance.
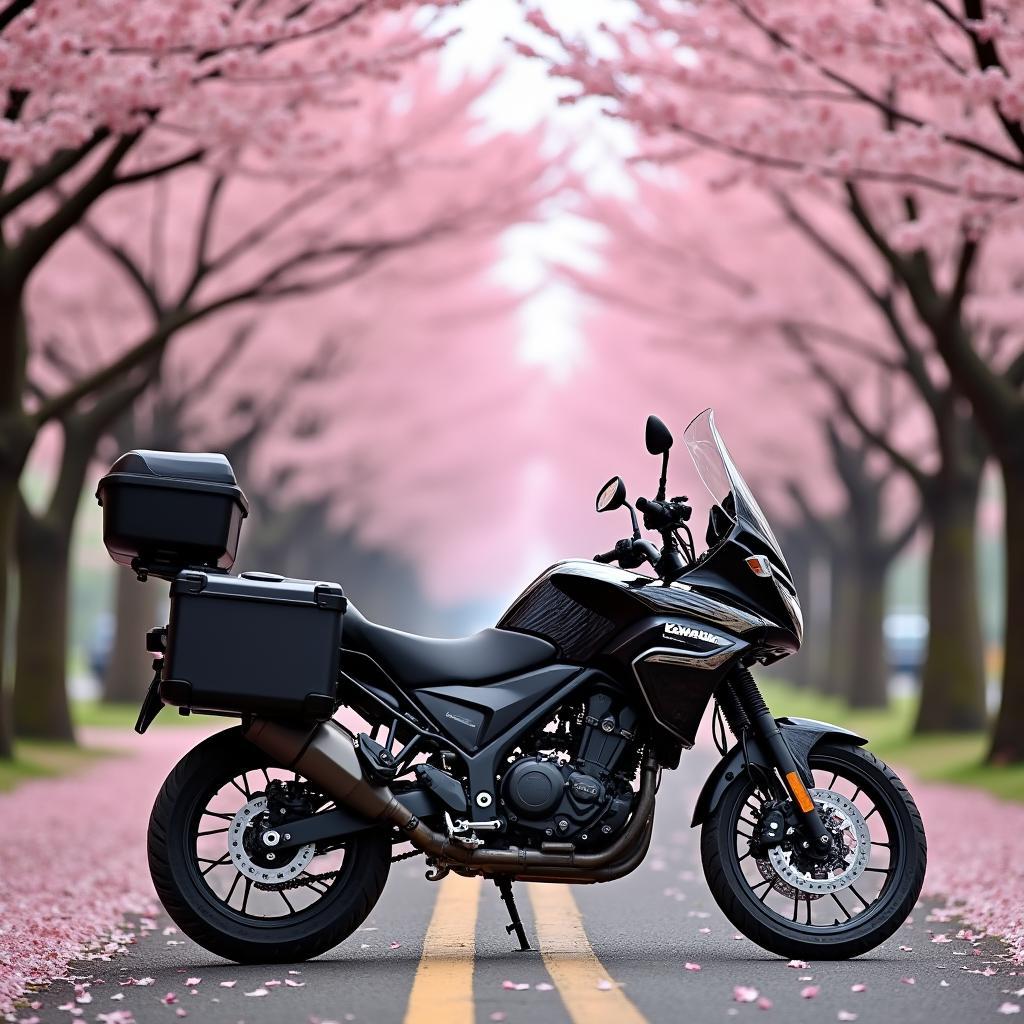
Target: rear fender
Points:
(802, 735)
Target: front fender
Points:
(802, 735)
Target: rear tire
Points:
(865, 929)
(195, 907)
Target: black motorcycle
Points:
(532, 751)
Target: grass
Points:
(38, 759)
(941, 757)
(123, 716)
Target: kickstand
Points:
(505, 889)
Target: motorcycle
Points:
(530, 751)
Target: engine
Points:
(583, 797)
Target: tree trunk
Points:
(846, 596)
(953, 678)
(8, 511)
(41, 707)
(869, 672)
(1008, 735)
(130, 665)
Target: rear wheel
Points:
(798, 907)
(230, 892)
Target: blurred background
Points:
(421, 272)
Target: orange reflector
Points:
(759, 566)
(797, 788)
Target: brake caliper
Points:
(771, 828)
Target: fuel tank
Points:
(669, 640)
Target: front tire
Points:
(764, 897)
(192, 887)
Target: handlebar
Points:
(666, 517)
(663, 515)
(630, 553)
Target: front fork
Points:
(745, 708)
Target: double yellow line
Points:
(443, 987)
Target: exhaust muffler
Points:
(326, 755)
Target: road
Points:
(609, 954)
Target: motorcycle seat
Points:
(415, 661)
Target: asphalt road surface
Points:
(607, 954)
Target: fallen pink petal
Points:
(809, 991)
(799, 965)
(1008, 1008)
(744, 994)
(859, 987)
(691, 967)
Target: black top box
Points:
(168, 511)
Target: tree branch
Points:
(38, 240)
(49, 173)
(842, 397)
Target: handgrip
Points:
(608, 556)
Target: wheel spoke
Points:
(211, 832)
(835, 775)
(245, 895)
(764, 895)
(231, 891)
(287, 901)
(244, 792)
(861, 898)
(747, 821)
(313, 883)
(213, 863)
(881, 871)
(873, 810)
(846, 913)
(220, 814)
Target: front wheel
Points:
(230, 892)
(800, 908)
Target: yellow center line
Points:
(572, 962)
(443, 987)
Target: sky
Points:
(523, 96)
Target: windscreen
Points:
(721, 477)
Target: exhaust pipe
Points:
(326, 754)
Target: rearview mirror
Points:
(657, 436)
(612, 495)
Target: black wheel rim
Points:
(785, 907)
(230, 892)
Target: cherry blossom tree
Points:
(102, 96)
(903, 118)
(354, 169)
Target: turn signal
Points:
(759, 566)
(799, 790)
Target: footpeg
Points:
(378, 761)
